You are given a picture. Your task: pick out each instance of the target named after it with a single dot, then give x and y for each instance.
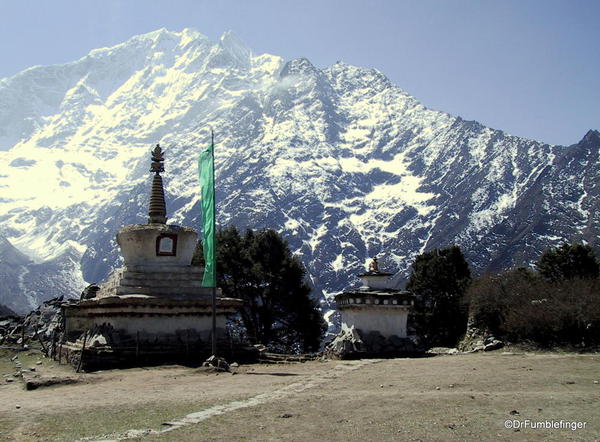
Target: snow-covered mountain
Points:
(345, 164)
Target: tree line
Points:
(555, 303)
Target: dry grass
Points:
(463, 397)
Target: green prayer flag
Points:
(206, 169)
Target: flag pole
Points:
(214, 288)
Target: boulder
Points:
(216, 362)
(89, 292)
(495, 344)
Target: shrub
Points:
(519, 306)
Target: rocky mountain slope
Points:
(340, 160)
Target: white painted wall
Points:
(386, 320)
(138, 244)
(375, 281)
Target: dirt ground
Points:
(455, 397)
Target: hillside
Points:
(344, 163)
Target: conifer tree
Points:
(567, 262)
(439, 280)
(278, 311)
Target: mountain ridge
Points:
(340, 160)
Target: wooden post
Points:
(137, 347)
(82, 351)
(214, 321)
(23, 336)
(187, 345)
(54, 344)
(44, 349)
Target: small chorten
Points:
(373, 317)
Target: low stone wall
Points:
(104, 347)
(478, 339)
(38, 328)
(353, 343)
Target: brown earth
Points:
(458, 397)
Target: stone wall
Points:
(353, 343)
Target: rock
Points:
(374, 341)
(234, 365)
(442, 350)
(261, 348)
(38, 363)
(97, 340)
(285, 415)
(9, 380)
(216, 362)
(32, 383)
(396, 341)
(17, 406)
(347, 343)
(89, 292)
(514, 413)
(493, 345)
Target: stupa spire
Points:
(157, 213)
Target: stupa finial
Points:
(157, 214)
(158, 157)
(374, 265)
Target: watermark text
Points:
(517, 424)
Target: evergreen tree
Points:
(439, 280)
(260, 269)
(567, 262)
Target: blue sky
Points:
(529, 67)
